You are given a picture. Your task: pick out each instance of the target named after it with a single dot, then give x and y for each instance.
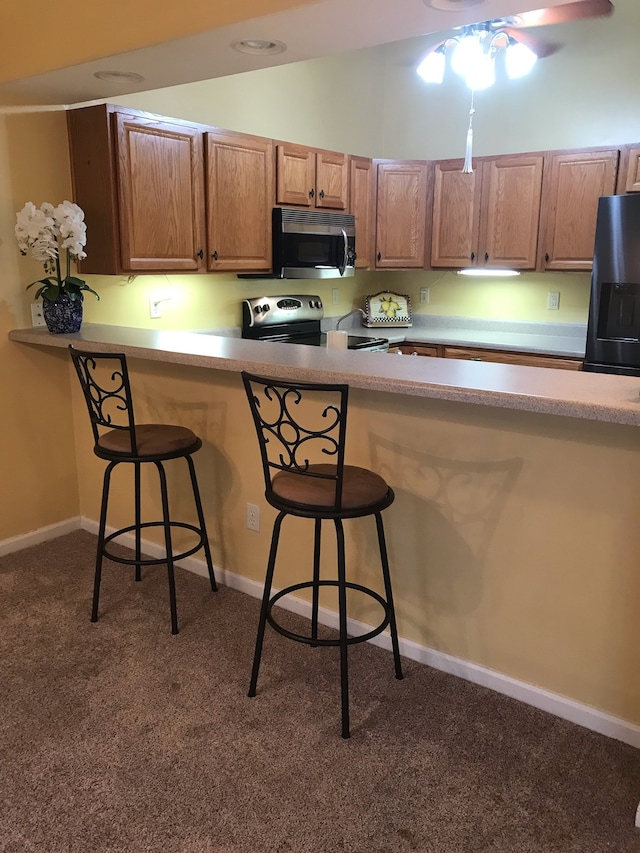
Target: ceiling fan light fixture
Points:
(431, 69)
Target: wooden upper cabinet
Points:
(362, 206)
(573, 183)
(488, 217)
(139, 179)
(456, 215)
(160, 183)
(629, 175)
(402, 189)
(310, 177)
(240, 192)
(510, 211)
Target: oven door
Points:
(313, 244)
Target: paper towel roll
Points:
(337, 340)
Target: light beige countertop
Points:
(559, 339)
(590, 396)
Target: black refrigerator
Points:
(613, 329)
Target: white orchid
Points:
(46, 231)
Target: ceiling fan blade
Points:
(562, 14)
(539, 46)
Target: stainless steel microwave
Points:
(313, 243)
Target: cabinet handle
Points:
(214, 255)
(321, 193)
(312, 192)
(486, 257)
(546, 257)
(379, 256)
(201, 254)
(473, 256)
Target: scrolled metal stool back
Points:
(107, 395)
(299, 424)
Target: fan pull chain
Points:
(468, 163)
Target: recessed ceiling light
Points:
(119, 76)
(258, 46)
(453, 5)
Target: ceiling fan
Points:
(473, 48)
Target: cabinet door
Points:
(240, 196)
(407, 348)
(456, 213)
(332, 180)
(295, 174)
(160, 193)
(401, 208)
(362, 206)
(572, 185)
(510, 211)
(629, 178)
(501, 357)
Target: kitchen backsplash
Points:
(213, 301)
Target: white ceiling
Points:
(321, 29)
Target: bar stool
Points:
(297, 424)
(117, 439)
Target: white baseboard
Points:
(36, 537)
(537, 697)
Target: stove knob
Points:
(258, 309)
(266, 307)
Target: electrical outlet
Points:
(553, 301)
(37, 317)
(253, 517)
(155, 312)
(424, 295)
(335, 296)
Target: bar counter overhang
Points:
(514, 539)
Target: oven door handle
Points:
(343, 266)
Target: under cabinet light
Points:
(484, 272)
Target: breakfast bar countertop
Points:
(590, 396)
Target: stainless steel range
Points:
(295, 320)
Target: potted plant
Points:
(45, 233)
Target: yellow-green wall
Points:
(37, 455)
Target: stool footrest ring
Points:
(317, 641)
(152, 561)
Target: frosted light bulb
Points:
(466, 55)
(482, 75)
(519, 59)
(431, 69)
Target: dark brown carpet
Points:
(120, 737)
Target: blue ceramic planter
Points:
(63, 315)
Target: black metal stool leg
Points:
(342, 613)
(275, 536)
(316, 579)
(203, 528)
(100, 548)
(136, 477)
(389, 595)
(168, 547)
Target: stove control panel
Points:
(274, 310)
